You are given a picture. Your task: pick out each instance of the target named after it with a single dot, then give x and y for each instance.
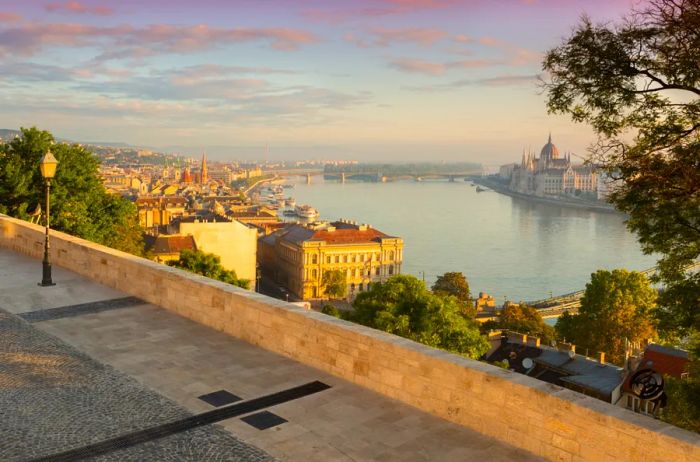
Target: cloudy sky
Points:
(368, 79)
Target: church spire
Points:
(549, 141)
(204, 176)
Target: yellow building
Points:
(297, 256)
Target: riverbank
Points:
(499, 188)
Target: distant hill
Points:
(7, 134)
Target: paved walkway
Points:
(139, 366)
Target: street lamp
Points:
(47, 166)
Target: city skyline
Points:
(385, 80)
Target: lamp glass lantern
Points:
(47, 166)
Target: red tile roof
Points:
(348, 236)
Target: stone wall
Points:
(556, 423)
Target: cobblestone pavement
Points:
(54, 398)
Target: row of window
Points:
(354, 258)
(353, 272)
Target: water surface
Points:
(505, 246)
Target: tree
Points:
(403, 306)
(331, 310)
(453, 284)
(80, 205)
(638, 85)
(456, 284)
(525, 320)
(209, 265)
(335, 283)
(616, 308)
(683, 394)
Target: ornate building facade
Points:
(297, 256)
(550, 174)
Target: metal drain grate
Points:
(177, 426)
(263, 420)
(220, 398)
(81, 309)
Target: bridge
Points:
(556, 306)
(377, 176)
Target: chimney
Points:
(601, 357)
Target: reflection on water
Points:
(506, 246)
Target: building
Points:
(297, 256)
(551, 174)
(643, 387)
(560, 365)
(157, 211)
(234, 242)
(165, 248)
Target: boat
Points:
(289, 213)
(306, 211)
(480, 189)
(290, 202)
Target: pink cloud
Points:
(79, 8)
(380, 36)
(9, 17)
(421, 66)
(127, 41)
(375, 8)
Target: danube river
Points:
(508, 247)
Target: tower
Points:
(204, 176)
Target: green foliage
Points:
(335, 283)
(453, 284)
(638, 85)
(80, 205)
(683, 408)
(456, 284)
(330, 310)
(209, 265)
(617, 307)
(403, 306)
(525, 320)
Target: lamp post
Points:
(47, 166)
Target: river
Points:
(508, 247)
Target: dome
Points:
(549, 151)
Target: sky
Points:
(373, 80)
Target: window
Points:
(314, 259)
(337, 258)
(359, 287)
(391, 255)
(328, 259)
(314, 274)
(354, 272)
(352, 287)
(345, 258)
(391, 269)
(377, 272)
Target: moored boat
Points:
(306, 211)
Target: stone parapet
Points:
(547, 420)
